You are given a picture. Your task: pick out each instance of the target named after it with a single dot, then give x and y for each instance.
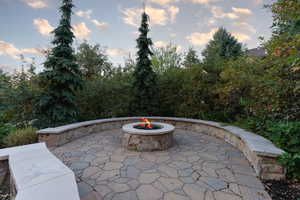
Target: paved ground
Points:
(198, 167)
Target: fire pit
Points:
(147, 136)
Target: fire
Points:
(146, 123)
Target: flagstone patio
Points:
(197, 167)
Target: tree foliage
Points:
(61, 77)
(145, 81)
(93, 61)
(222, 47)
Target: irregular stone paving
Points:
(197, 167)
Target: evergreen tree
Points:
(222, 47)
(145, 81)
(191, 59)
(61, 77)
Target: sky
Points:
(25, 25)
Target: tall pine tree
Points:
(61, 77)
(145, 90)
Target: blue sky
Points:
(25, 25)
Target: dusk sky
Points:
(26, 25)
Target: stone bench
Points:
(261, 153)
(36, 174)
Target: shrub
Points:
(286, 135)
(21, 137)
(292, 163)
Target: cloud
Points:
(173, 10)
(43, 26)
(116, 52)
(36, 3)
(245, 26)
(7, 68)
(8, 49)
(160, 44)
(101, 25)
(258, 2)
(81, 31)
(205, 1)
(200, 39)
(85, 14)
(163, 2)
(241, 36)
(243, 11)
(218, 13)
(37, 51)
(157, 16)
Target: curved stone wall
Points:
(260, 152)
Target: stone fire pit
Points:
(147, 140)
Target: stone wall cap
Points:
(256, 143)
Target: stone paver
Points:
(197, 167)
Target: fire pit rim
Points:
(166, 128)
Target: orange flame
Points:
(146, 123)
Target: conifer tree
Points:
(222, 47)
(61, 77)
(145, 81)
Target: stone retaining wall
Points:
(260, 152)
(4, 172)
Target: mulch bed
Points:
(4, 192)
(283, 190)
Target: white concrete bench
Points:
(38, 175)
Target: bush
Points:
(286, 135)
(292, 163)
(21, 137)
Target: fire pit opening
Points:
(147, 125)
(147, 136)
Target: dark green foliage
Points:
(145, 88)
(221, 48)
(191, 59)
(93, 61)
(286, 135)
(106, 97)
(292, 164)
(61, 77)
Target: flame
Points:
(146, 123)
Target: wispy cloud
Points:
(163, 2)
(132, 16)
(242, 11)
(173, 10)
(8, 49)
(205, 1)
(116, 52)
(160, 44)
(101, 25)
(158, 16)
(43, 26)
(219, 13)
(85, 14)
(241, 36)
(245, 26)
(200, 39)
(81, 31)
(36, 3)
